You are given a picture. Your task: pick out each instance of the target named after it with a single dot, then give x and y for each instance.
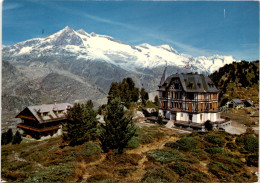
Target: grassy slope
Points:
(148, 159)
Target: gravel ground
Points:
(236, 128)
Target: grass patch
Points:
(165, 155)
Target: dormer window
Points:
(190, 85)
(199, 85)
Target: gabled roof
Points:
(50, 109)
(249, 102)
(236, 100)
(192, 82)
(163, 77)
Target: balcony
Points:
(39, 130)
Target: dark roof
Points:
(236, 100)
(163, 77)
(193, 82)
(249, 102)
(51, 109)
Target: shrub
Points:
(7, 137)
(133, 143)
(252, 160)
(17, 139)
(239, 141)
(55, 173)
(216, 150)
(185, 144)
(220, 170)
(215, 140)
(200, 154)
(161, 174)
(231, 146)
(98, 178)
(165, 155)
(145, 139)
(251, 143)
(91, 148)
(180, 169)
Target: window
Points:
(200, 117)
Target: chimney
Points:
(54, 102)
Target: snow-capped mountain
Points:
(80, 45)
(74, 65)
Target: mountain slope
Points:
(238, 80)
(73, 65)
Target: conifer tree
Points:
(118, 128)
(81, 123)
(7, 137)
(144, 96)
(17, 139)
(156, 100)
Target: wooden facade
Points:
(43, 119)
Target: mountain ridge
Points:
(93, 62)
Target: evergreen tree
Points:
(208, 125)
(118, 128)
(113, 91)
(156, 100)
(17, 138)
(3, 138)
(144, 96)
(81, 123)
(7, 137)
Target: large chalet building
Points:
(189, 100)
(42, 120)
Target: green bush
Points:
(185, 144)
(98, 178)
(161, 174)
(219, 169)
(91, 148)
(215, 140)
(239, 141)
(55, 173)
(145, 139)
(165, 155)
(231, 146)
(200, 154)
(17, 139)
(252, 160)
(251, 143)
(180, 169)
(133, 143)
(216, 150)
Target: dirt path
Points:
(138, 174)
(88, 167)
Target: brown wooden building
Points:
(42, 120)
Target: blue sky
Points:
(198, 28)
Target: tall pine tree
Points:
(81, 123)
(118, 128)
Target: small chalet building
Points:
(235, 103)
(42, 120)
(189, 100)
(249, 103)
